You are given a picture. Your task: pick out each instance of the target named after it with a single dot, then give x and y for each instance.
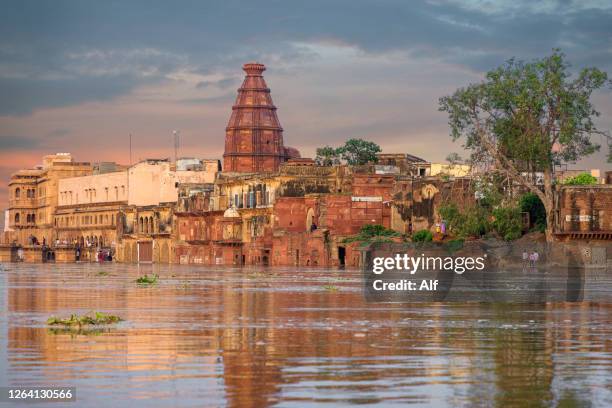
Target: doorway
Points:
(342, 256)
(145, 252)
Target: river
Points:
(288, 337)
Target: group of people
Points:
(530, 258)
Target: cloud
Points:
(104, 50)
(221, 83)
(80, 76)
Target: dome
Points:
(231, 212)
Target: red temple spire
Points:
(254, 136)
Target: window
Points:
(116, 193)
(106, 191)
(17, 194)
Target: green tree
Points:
(582, 179)
(327, 156)
(525, 118)
(454, 158)
(358, 152)
(508, 223)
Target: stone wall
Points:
(585, 209)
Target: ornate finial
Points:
(254, 68)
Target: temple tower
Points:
(254, 136)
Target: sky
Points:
(80, 76)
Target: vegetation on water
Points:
(147, 280)
(371, 233)
(330, 288)
(90, 319)
(422, 236)
(103, 273)
(582, 179)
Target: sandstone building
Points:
(33, 197)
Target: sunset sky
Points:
(81, 76)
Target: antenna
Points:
(130, 149)
(176, 134)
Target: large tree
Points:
(327, 156)
(358, 151)
(355, 152)
(525, 118)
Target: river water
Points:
(291, 337)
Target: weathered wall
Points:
(585, 208)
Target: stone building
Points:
(33, 198)
(88, 209)
(254, 136)
(302, 214)
(585, 212)
(145, 226)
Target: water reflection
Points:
(288, 337)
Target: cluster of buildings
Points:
(264, 205)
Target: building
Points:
(145, 226)
(254, 136)
(33, 198)
(584, 212)
(88, 208)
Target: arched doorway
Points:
(310, 221)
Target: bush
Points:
(508, 222)
(373, 233)
(422, 236)
(532, 204)
(581, 179)
(472, 222)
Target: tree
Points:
(454, 158)
(525, 118)
(327, 156)
(355, 152)
(358, 152)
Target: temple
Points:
(254, 136)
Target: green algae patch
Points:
(89, 319)
(147, 280)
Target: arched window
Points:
(33, 218)
(17, 193)
(151, 225)
(141, 225)
(116, 193)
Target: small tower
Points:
(254, 136)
